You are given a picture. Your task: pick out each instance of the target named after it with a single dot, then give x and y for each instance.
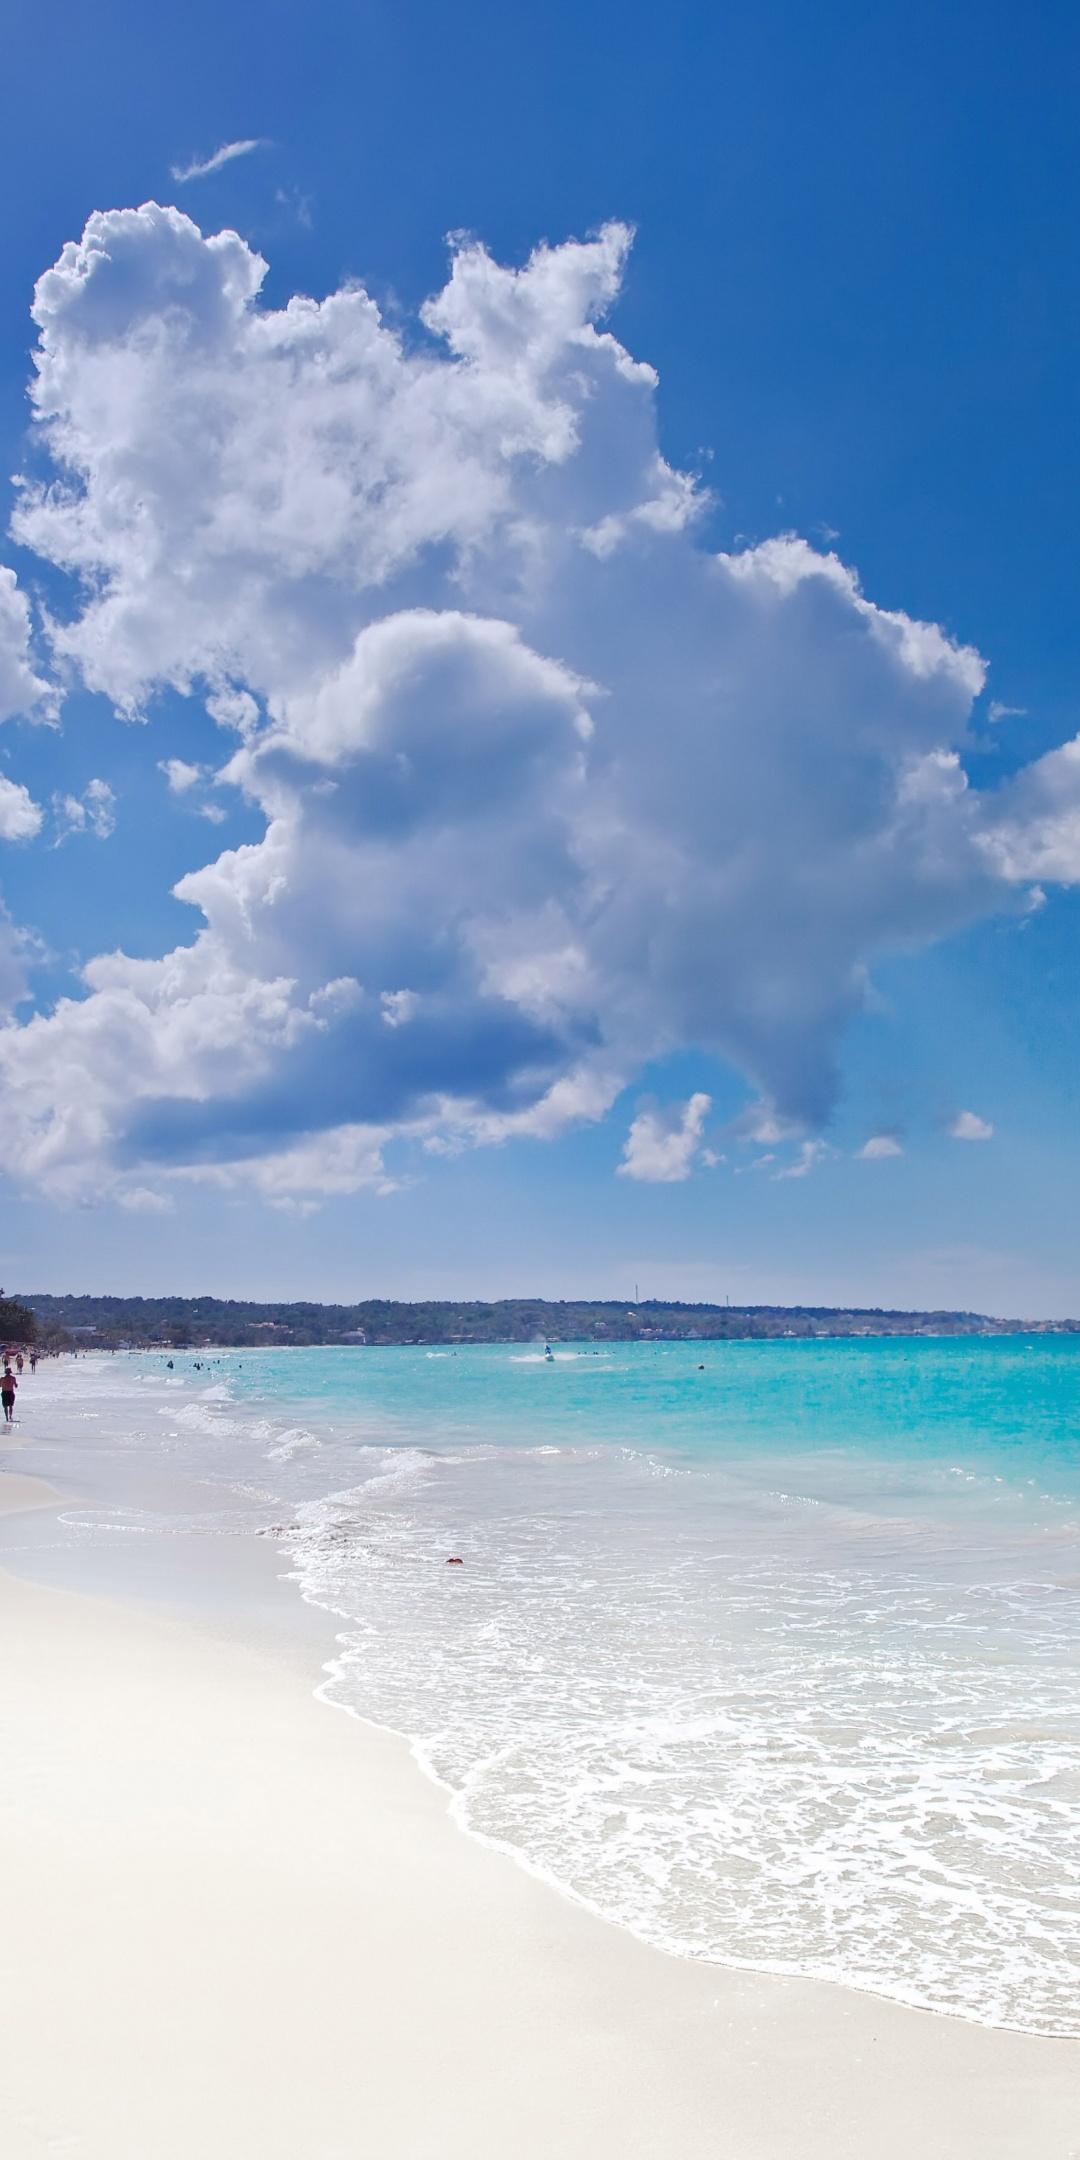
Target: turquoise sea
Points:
(768, 1652)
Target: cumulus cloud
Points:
(200, 167)
(20, 816)
(1034, 832)
(180, 776)
(21, 690)
(879, 1147)
(550, 787)
(969, 1127)
(661, 1144)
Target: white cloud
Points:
(199, 168)
(18, 949)
(93, 811)
(21, 691)
(969, 1127)
(662, 1144)
(100, 808)
(553, 787)
(1031, 825)
(180, 776)
(20, 816)
(347, 1160)
(879, 1147)
(244, 485)
(398, 1006)
(143, 1200)
(810, 1154)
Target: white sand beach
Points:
(238, 1923)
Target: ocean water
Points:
(774, 1663)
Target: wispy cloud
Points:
(182, 778)
(810, 1154)
(94, 811)
(200, 167)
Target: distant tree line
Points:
(18, 1322)
(178, 1323)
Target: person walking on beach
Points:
(7, 1394)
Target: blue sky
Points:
(625, 918)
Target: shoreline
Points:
(241, 1927)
